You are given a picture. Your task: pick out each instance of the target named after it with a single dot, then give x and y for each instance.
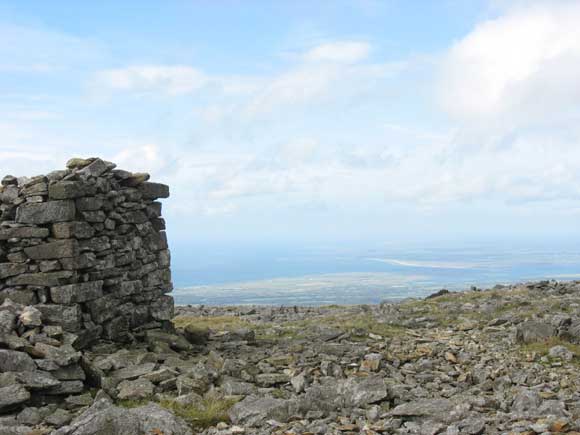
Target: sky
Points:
(294, 121)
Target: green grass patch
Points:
(208, 413)
(349, 323)
(543, 347)
(217, 323)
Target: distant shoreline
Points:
(496, 287)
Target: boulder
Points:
(572, 332)
(103, 418)
(526, 402)
(433, 408)
(135, 390)
(533, 331)
(196, 335)
(256, 410)
(271, 379)
(561, 352)
(133, 372)
(332, 394)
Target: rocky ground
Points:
(499, 361)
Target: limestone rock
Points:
(69, 230)
(435, 408)
(105, 418)
(58, 249)
(67, 316)
(532, 331)
(37, 380)
(11, 269)
(23, 233)
(12, 396)
(30, 316)
(137, 389)
(95, 168)
(13, 361)
(255, 410)
(62, 356)
(45, 212)
(75, 293)
(561, 352)
(154, 190)
(77, 163)
(69, 190)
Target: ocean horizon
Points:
(333, 274)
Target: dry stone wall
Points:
(86, 247)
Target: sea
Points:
(359, 273)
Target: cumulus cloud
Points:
(511, 90)
(506, 69)
(336, 128)
(524, 64)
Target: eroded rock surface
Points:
(452, 364)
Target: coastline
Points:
(423, 294)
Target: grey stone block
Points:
(46, 212)
(75, 293)
(48, 251)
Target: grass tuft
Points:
(217, 323)
(209, 412)
(543, 347)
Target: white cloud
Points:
(173, 80)
(340, 52)
(318, 130)
(511, 89)
(522, 65)
(321, 72)
(389, 162)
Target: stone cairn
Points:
(83, 258)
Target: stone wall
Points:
(86, 247)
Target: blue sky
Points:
(309, 120)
